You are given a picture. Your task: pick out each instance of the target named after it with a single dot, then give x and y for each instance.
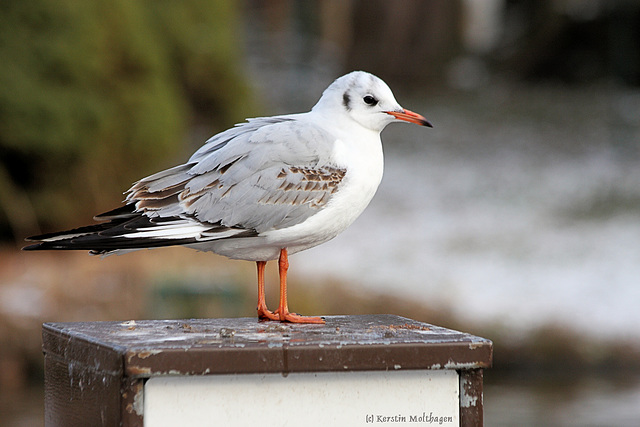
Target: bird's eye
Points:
(370, 100)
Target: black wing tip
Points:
(65, 239)
(34, 247)
(122, 212)
(62, 244)
(46, 246)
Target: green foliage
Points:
(93, 95)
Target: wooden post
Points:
(98, 373)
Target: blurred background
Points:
(516, 218)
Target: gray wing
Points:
(268, 173)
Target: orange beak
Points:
(411, 117)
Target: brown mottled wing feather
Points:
(302, 186)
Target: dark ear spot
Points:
(346, 101)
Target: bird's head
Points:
(366, 99)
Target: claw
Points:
(266, 314)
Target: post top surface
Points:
(244, 345)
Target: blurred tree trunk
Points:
(405, 40)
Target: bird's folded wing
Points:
(261, 175)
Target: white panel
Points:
(304, 399)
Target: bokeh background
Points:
(516, 218)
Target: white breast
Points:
(363, 160)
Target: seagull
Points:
(261, 190)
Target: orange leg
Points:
(283, 309)
(263, 311)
